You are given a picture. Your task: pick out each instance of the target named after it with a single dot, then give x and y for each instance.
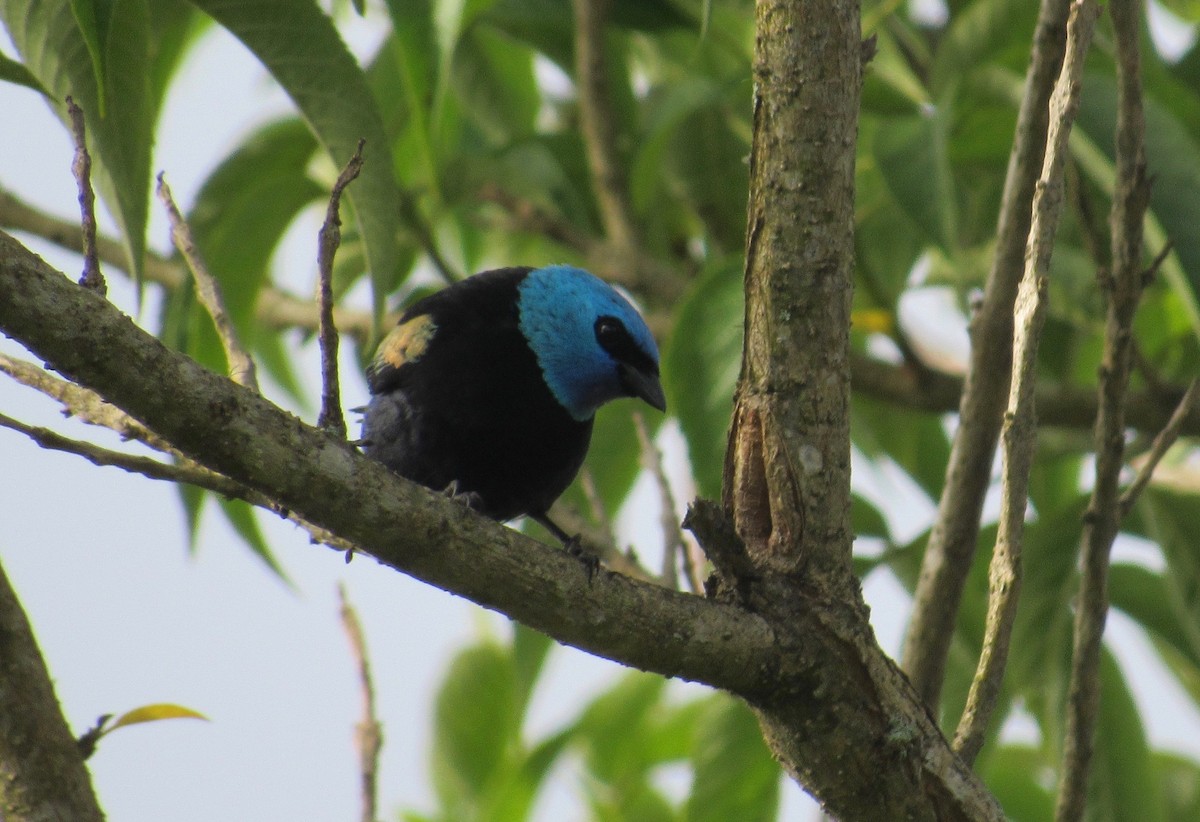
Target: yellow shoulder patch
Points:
(406, 342)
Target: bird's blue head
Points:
(591, 344)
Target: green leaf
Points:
(1169, 518)
(914, 440)
(119, 132)
(237, 235)
(1186, 10)
(494, 82)
(299, 45)
(93, 18)
(1150, 600)
(530, 649)
(614, 727)
(977, 34)
(700, 369)
(1180, 780)
(1173, 163)
(912, 154)
(1124, 783)
(1015, 773)
(475, 724)
(240, 515)
(13, 72)
(735, 775)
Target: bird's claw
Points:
(471, 499)
(591, 562)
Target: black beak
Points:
(643, 385)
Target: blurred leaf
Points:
(237, 236)
(240, 514)
(298, 44)
(912, 155)
(1173, 162)
(700, 369)
(1124, 784)
(1180, 779)
(529, 652)
(735, 775)
(613, 728)
(493, 80)
(1016, 775)
(976, 34)
(1150, 600)
(475, 724)
(13, 72)
(154, 713)
(914, 440)
(1169, 518)
(1186, 10)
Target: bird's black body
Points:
(460, 399)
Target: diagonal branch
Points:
(1020, 420)
(1158, 449)
(951, 544)
(241, 366)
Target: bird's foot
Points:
(591, 562)
(471, 499)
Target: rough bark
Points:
(42, 775)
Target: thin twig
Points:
(184, 471)
(241, 366)
(1020, 420)
(1158, 449)
(81, 167)
(598, 122)
(84, 404)
(91, 408)
(329, 239)
(368, 732)
(674, 543)
(1123, 289)
(951, 545)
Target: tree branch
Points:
(42, 775)
(1158, 449)
(1020, 420)
(241, 365)
(951, 543)
(330, 237)
(1123, 289)
(598, 123)
(369, 732)
(82, 169)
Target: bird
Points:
(488, 389)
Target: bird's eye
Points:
(609, 332)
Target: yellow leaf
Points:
(153, 713)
